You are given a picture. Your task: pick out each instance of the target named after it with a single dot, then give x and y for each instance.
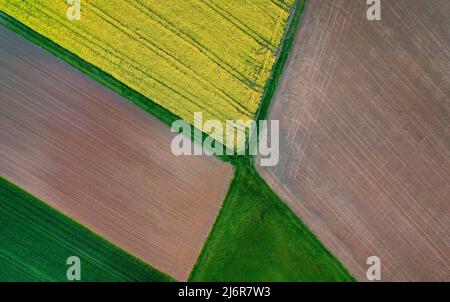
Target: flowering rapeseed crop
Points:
(212, 56)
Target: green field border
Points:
(285, 49)
(144, 102)
(105, 79)
(48, 237)
(87, 68)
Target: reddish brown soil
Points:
(364, 110)
(102, 161)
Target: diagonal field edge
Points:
(143, 102)
(100, 76)
(69, 227)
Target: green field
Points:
(36, 240)
(257, 238)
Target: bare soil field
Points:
(102, 161)
(364, 110)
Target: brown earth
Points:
(102, 161)
(364, 110)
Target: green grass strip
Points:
(87, 68)
(258, 238)
(142, 101)
(103, 78)
(283, 55)
(36, 240)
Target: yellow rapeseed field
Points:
(209, 56)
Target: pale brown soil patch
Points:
(102, 161)
(364, 110)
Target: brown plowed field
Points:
(364, 110)
(102, 161)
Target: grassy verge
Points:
(94, 72)
(258, 238)
(36, 240)
(103, 78)
(140, 100)
(283, 55)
